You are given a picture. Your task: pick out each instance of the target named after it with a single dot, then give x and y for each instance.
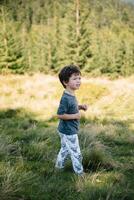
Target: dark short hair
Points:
(66, 72)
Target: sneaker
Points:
(83, 174)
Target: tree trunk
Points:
(77, 18)
(5, 35)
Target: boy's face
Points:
(74, 82)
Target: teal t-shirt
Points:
(68, 105)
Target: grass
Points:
(29, 142)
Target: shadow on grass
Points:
(28, 149)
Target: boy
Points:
(68, 113)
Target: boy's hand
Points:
(83, 107)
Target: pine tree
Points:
(120, 58)
(78, 44)
(57, 44)
(128, 61)
(84, 39)
(11, 54)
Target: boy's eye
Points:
(76, 78)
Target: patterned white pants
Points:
(70, 146)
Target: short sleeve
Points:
(63, 107)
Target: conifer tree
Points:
(84, 39)
(11, 54)
(120, 58)
(78, 44)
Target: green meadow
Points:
(29, 142)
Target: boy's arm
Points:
(63, 109)
(69, 116)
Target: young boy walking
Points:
(69, 116)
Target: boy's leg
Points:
(72, 143)
(63, 153)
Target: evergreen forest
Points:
(45, 35)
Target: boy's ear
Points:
(65, 83)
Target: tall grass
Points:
(29, 142)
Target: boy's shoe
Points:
(83, 174)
